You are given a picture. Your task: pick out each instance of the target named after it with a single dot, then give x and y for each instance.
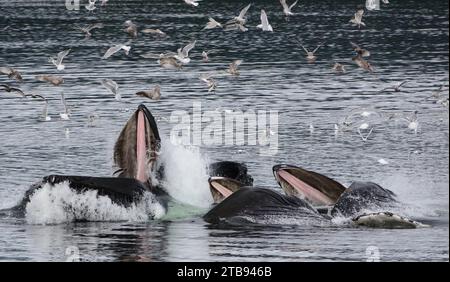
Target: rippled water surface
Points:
(408, 41)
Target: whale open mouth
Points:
(222, 187)
(226, 178)
(136, 149)
(313, 187)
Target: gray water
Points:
(408, 41)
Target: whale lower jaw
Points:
(386, 220)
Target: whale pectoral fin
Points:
(386, 220)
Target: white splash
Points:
(419, 197)
(186, 175)
(54, 204)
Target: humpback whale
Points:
(135, 156)
(309, 195)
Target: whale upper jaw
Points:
(313, 187)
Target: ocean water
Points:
(408, 41)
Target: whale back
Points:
(261, 206)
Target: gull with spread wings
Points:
(310, 56)
(112, 86)
(287, 10)
(183, 53)
(357, 18)
(59, 59)
(114, 49)
(87, 29)
(265, 26)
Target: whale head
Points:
(136, 149)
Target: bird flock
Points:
(175, 60)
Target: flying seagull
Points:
(59, 59)
(114, 49)
(241, 17)
(233, 68)
(357, 18)
(212, 23)
(395, 88)
(310, 56)
(87, 29)
(210, 82)
(112, 86)
(265, 26)
(287, 9)
(183, 53)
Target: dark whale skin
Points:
(259, 203)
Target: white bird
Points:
(241, 18)
(183, 53)
(205, 56)
(233, 68)
(87, 29)
(357, 18)
(310, 56)
(287, 9)
(66, 114)
(91, 6)
(112, 86)
(111, 51)
(193, 3)
(59, 59)
(210, 82)
(212, 23)
(265, 26)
